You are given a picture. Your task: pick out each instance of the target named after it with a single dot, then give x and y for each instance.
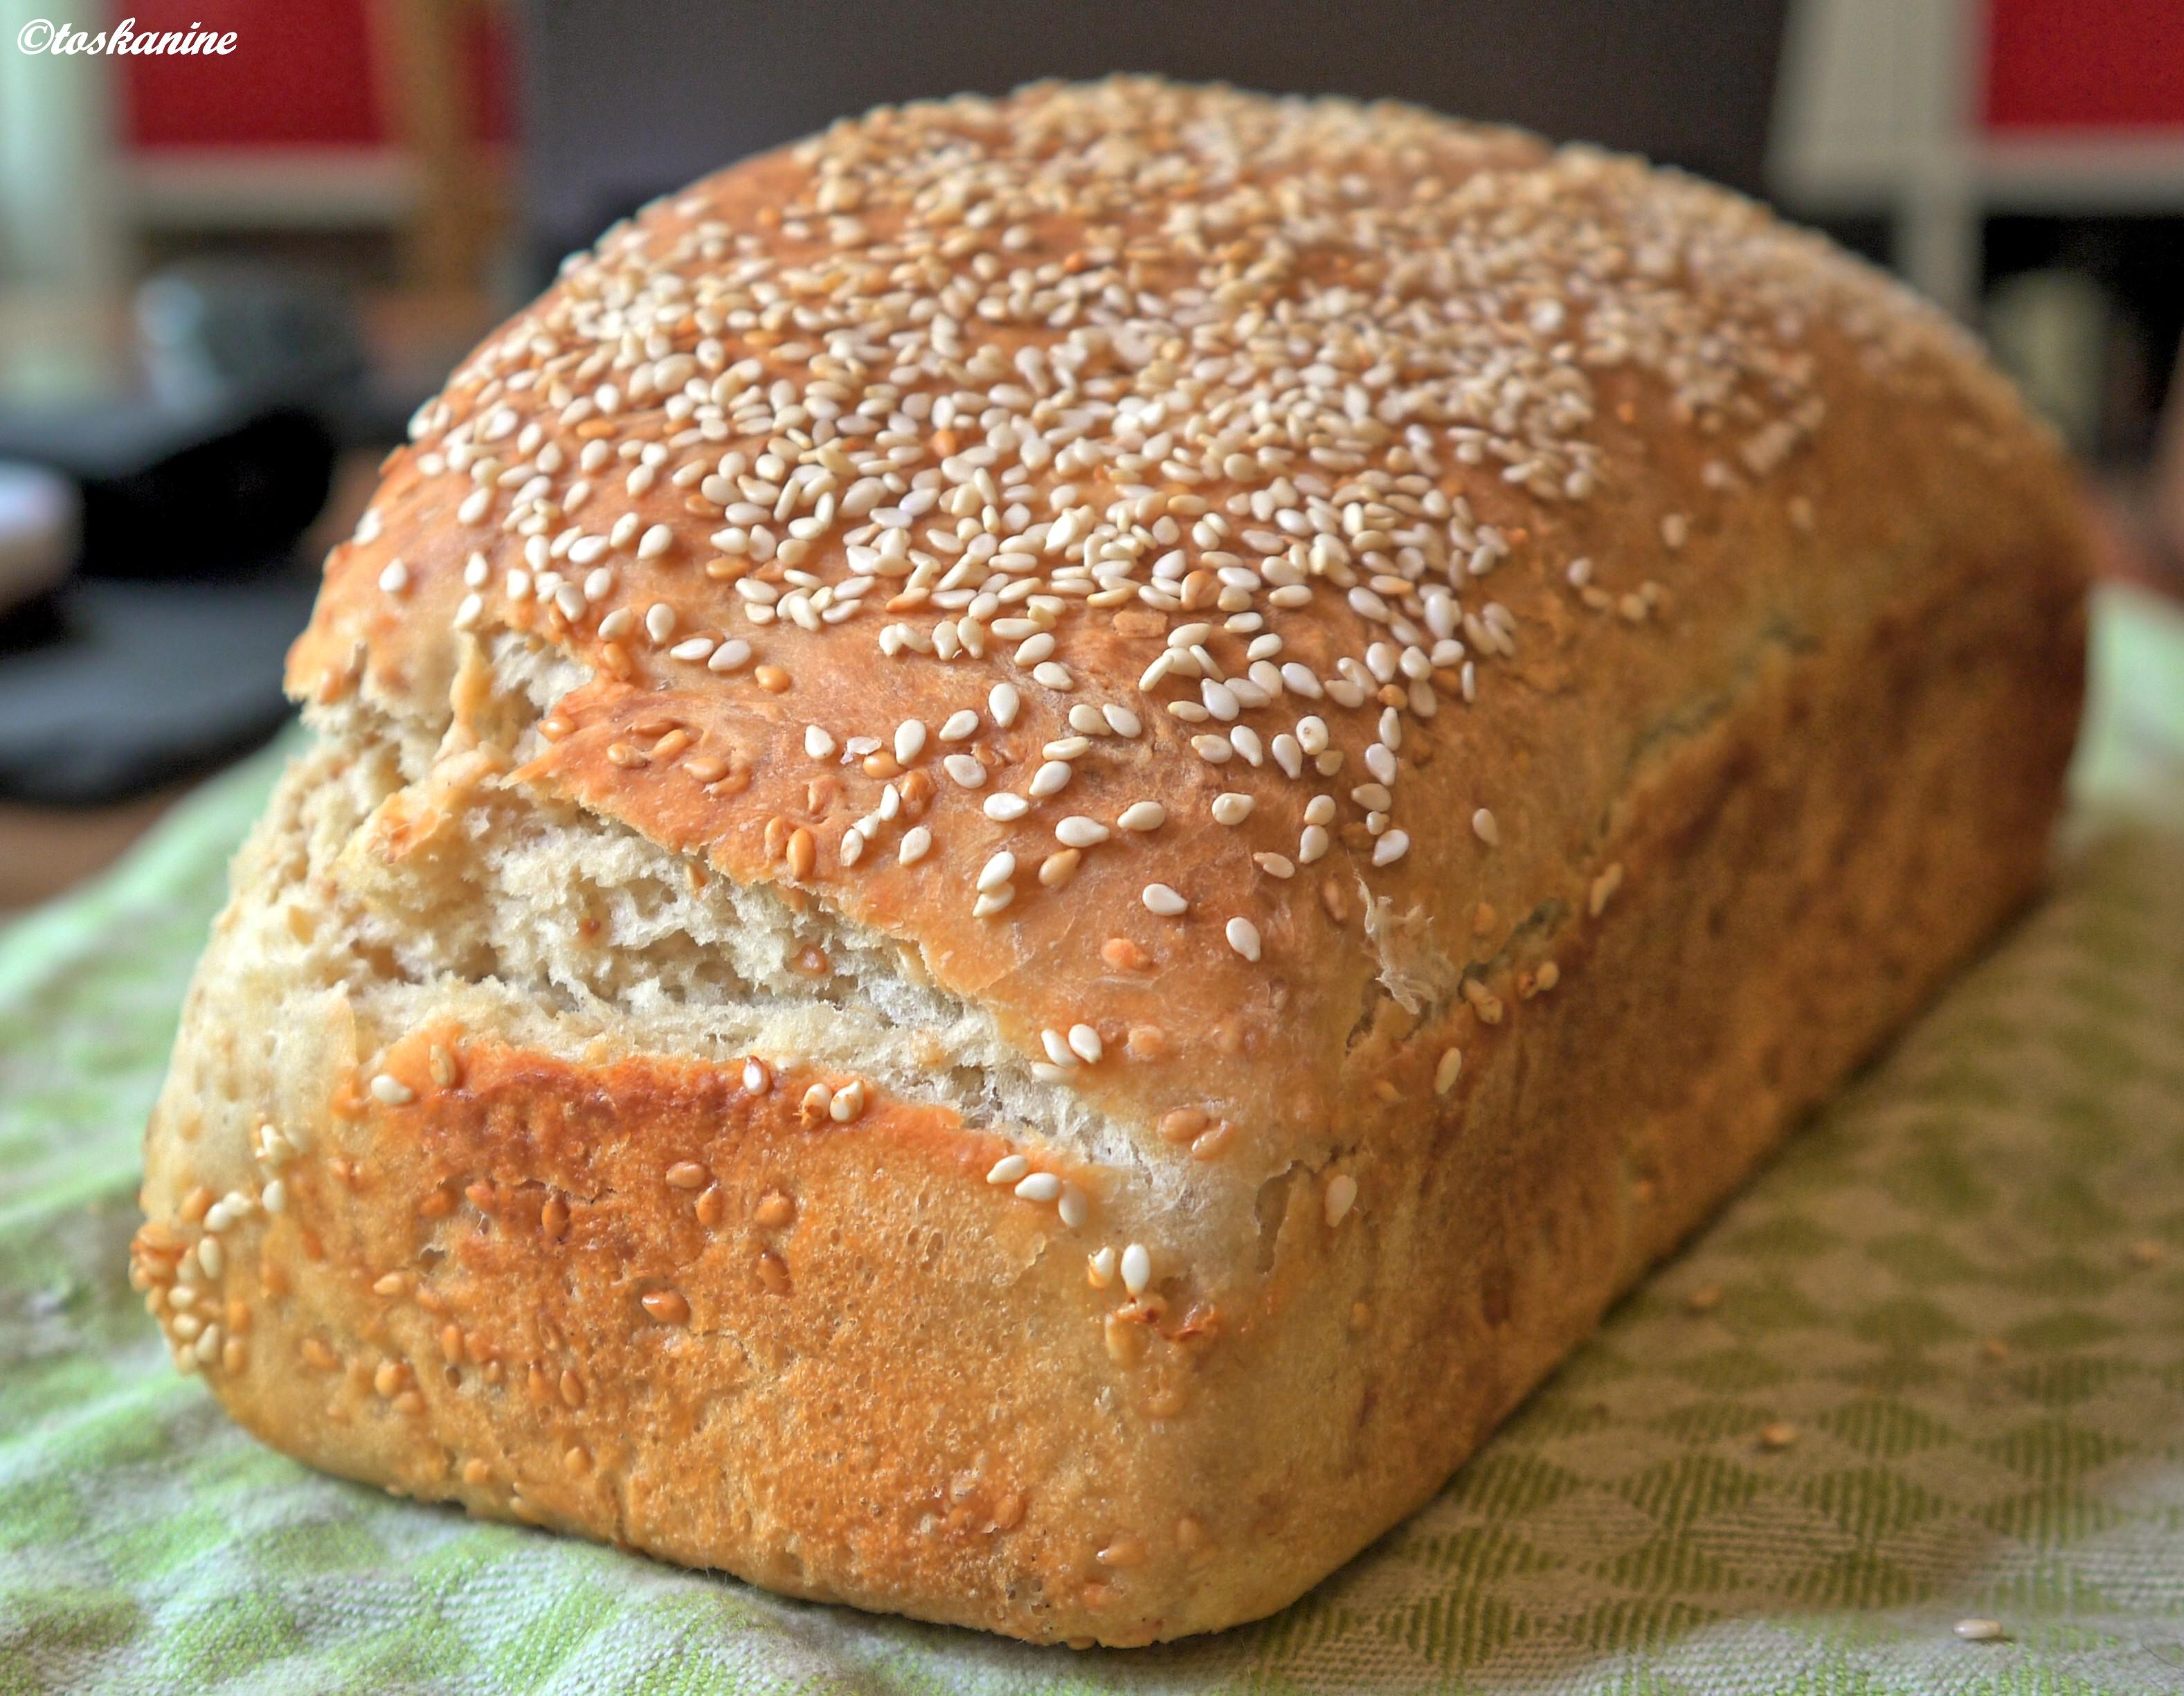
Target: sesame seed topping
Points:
(1040, 1186)
(997, 871)
(1077, 831)
(392, 1091)
(1340, 1196)
(1447, 1070)
(1262, 430)
(1137, 1269)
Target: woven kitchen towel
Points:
(1930, 1366)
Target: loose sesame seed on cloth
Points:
(1944, 1289)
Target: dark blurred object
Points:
(2085, 312)
(238, 338)
(199, 454)
(625, 104)
(108, 689)
(38, 520)
(216, 442)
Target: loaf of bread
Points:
(1042, 836)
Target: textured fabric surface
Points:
(1930, 1365)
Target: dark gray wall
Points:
(625, 100)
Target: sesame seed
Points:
(757, 1079)
(997, 871)
(908, 740)
(1137, 1269)
(1143, 815)
(395, 578)
(1003, 703)
(1981, 1631)
(1073, 1207)
(849, 1103)
(392, 1091)
(917, 844)
(803, 852)
(1487, 830)
(1050, 778)
(959, 725)
(1084, 1043)
(1447, 1070)
(1077, 831)
(655, 542)
(1390, 848)
(818, 743)
(1040, 1186)
(1243, 937)
(1341, 1195)
(1007, 1170)
(1160, 899)
(965, 770)
(1230, 807)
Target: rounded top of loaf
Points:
(1195, 570)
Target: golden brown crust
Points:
(1560, 724)
(1756, 783)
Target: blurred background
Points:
(225, 281)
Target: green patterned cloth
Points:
(1963, 1286)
